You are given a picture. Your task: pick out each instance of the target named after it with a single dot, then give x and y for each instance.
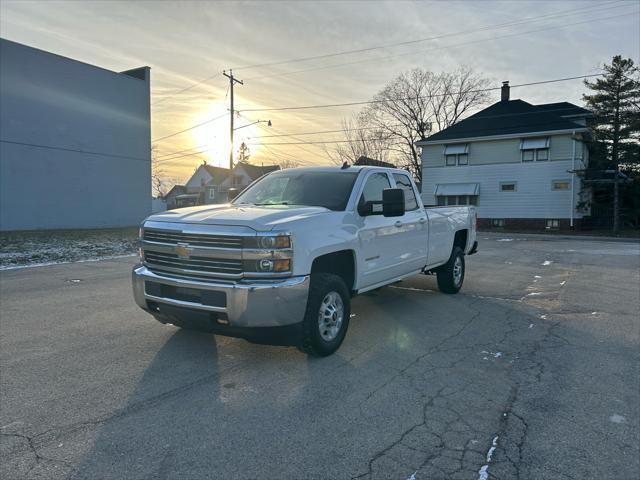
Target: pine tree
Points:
(615, 103)
(243, 153)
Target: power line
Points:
(87, 152)
(168, 160)
(369, 102)
(190, 128)
(421, 40)
(567, 109)
(472, 42)
(324, 142)
(178, 92)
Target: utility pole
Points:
(232, 81)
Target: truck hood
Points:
(259, 218)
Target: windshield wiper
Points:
(273, 203)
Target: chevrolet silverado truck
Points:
(280, 263)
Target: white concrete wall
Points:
(75, 147)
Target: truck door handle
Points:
(398, 223)
(423, 220)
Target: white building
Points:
(75, 147)
(515, 161)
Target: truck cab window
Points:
(403, 182)
(372, 191)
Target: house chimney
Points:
(505, 91)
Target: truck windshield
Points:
(318, 189)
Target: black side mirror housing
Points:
(393, 202)
(232, 193)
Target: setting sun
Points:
(213, 137)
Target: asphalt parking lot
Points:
(530, 372)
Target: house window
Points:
(561, 185)
(456, 154)
(508, 186)
(212, 194)
(450, 200)
(553, 224)
(535, 149)
(497, 222)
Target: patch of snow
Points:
(533, 294)
(352, 315)
(543, 317)
(562, 284)
(615, 418)
(509, 263)
(546, 262)
(413, 476)
(531, 325)
(505, 240)
(46, 264)
(537, 276)
(497, 354)
(483, 473)
(594, 313)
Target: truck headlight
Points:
(268, 242)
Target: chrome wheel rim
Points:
(330, 316)
(457, 271)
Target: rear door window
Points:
(403, 182)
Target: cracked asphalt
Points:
(531, 372)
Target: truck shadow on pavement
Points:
(428, 391)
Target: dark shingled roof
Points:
(256, 171)
(218, 174)
(512, 117)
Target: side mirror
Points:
(232, 193)
(393, 202)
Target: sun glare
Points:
(213, 138)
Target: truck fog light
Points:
(265, 265)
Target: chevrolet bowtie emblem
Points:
(183, 250)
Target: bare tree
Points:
(160, 184)
(418, 103)
(361, 140)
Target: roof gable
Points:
(256, 171)
(512, 117)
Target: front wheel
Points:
(327, 316)
(451, 274)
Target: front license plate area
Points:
(204, 297)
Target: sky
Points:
(189, 44)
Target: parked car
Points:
(281, 262)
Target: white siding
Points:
(200, 178)
(534, 197)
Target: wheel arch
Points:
(341, 263)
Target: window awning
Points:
(443, 189)
(456, 149)
(531, 143)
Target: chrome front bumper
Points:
(259, 303)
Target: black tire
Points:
(312, 341)
(448, 281)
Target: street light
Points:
(268, 122)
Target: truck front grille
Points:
(172, 263)
(172, 237)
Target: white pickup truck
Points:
(280, 263)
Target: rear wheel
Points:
(327, 316)
(451, 274)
